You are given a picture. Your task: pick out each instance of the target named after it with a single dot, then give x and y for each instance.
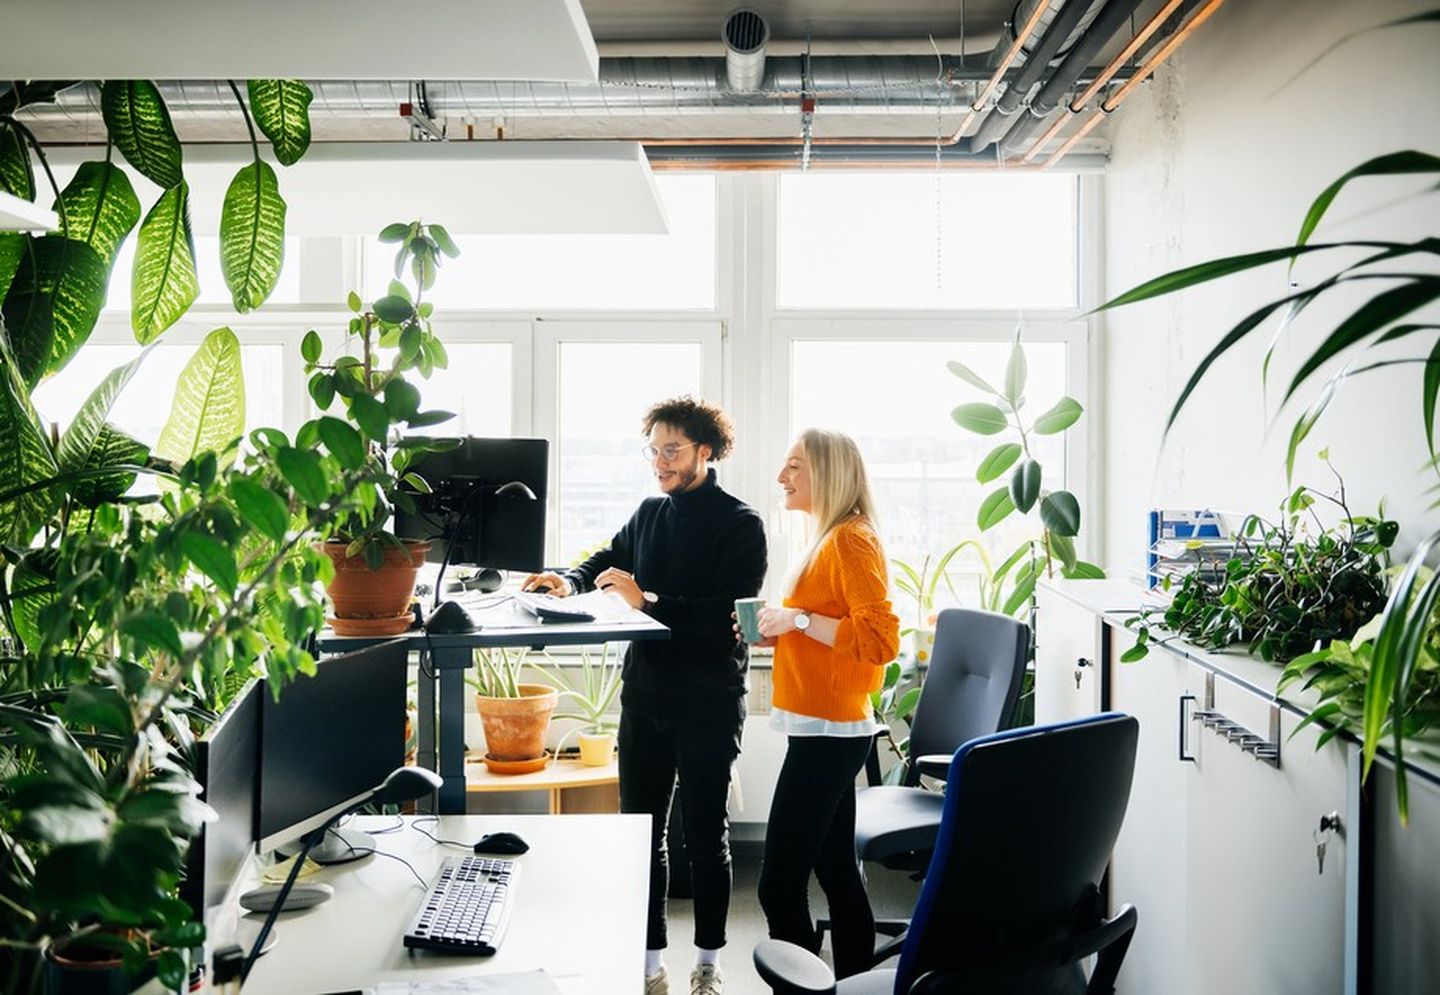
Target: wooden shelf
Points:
(572, 786)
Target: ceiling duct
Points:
(745, 33)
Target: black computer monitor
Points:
(227, 766)
(487, 508)
(326, 743)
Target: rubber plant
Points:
(1382, 283)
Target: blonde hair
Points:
(839, 488)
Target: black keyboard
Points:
(467, 908)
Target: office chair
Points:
(1011, 901)
(976, 670)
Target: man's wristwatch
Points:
(802, 621)
(648, 598)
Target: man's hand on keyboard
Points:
(557, 585)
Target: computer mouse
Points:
(450, 618)
(506, 843)
(540, 589)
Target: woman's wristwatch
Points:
(802, 621)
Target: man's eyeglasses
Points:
(668, 452)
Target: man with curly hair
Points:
(683, 557)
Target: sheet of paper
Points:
(511, 983)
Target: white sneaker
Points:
(706, 980)
(658, 983)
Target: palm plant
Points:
(1378, 320)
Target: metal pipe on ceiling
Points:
(745, 33)
(1059, 32)
(1099, 32)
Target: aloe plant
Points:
(1397, 288)
(588, 692)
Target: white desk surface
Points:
(579, 909)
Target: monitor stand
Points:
(340, 846)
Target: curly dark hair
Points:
(702, 423)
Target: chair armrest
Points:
(933, 765)
(792, 970)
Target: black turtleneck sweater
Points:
(697, 551)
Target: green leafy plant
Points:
(893, 705)
(1059, 510)
(53, 286)
(1388, 292)
(376, 395)
(587, 692)
(1283, 593)
(1340, 672)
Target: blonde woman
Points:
(832, 640)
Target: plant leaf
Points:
(53, 303)
(999, 459)
(152, 629)
(138, 122)
(1370, 317)
(261, 507)
(163, 283)
(1213, 269)
(371, 416)
(342, 441)
(84, 432)
(1064, 548)
(1065, 413)
(1016, 371)
(1025, 485)
(1084, 571)
(301, 467)
(1428, 395)
(25, 456)
(970, 376)
(17, 175)
(981, 418)
(281, 108)
(1306, 422)
(1394, 163)
(1061, 513)
(213, 559)
(111, 448)
(252, 235)
(12, 246)
(394, 309)
(996, 507)
(100, 208)
(209, 407)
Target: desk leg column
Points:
(425, 721)
(451, 665)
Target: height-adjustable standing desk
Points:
(444, 660)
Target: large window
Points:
(659, 272)
(894, 398)
(476, 387)
(604, 391)
(918, 240)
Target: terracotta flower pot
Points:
(370, 598)
(75, 968)
(515, 727)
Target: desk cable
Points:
(415, 825)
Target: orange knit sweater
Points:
(846, 580)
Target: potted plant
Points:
(374, 570)
(515, 715)
(589, 692)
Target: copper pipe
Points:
(1078, 104)
(1119, 96)
(1050, 133)
(1085, 129)
(1160, 55)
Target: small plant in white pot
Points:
(588, 692)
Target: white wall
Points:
(1222, 154)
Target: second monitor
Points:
(487, 506)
